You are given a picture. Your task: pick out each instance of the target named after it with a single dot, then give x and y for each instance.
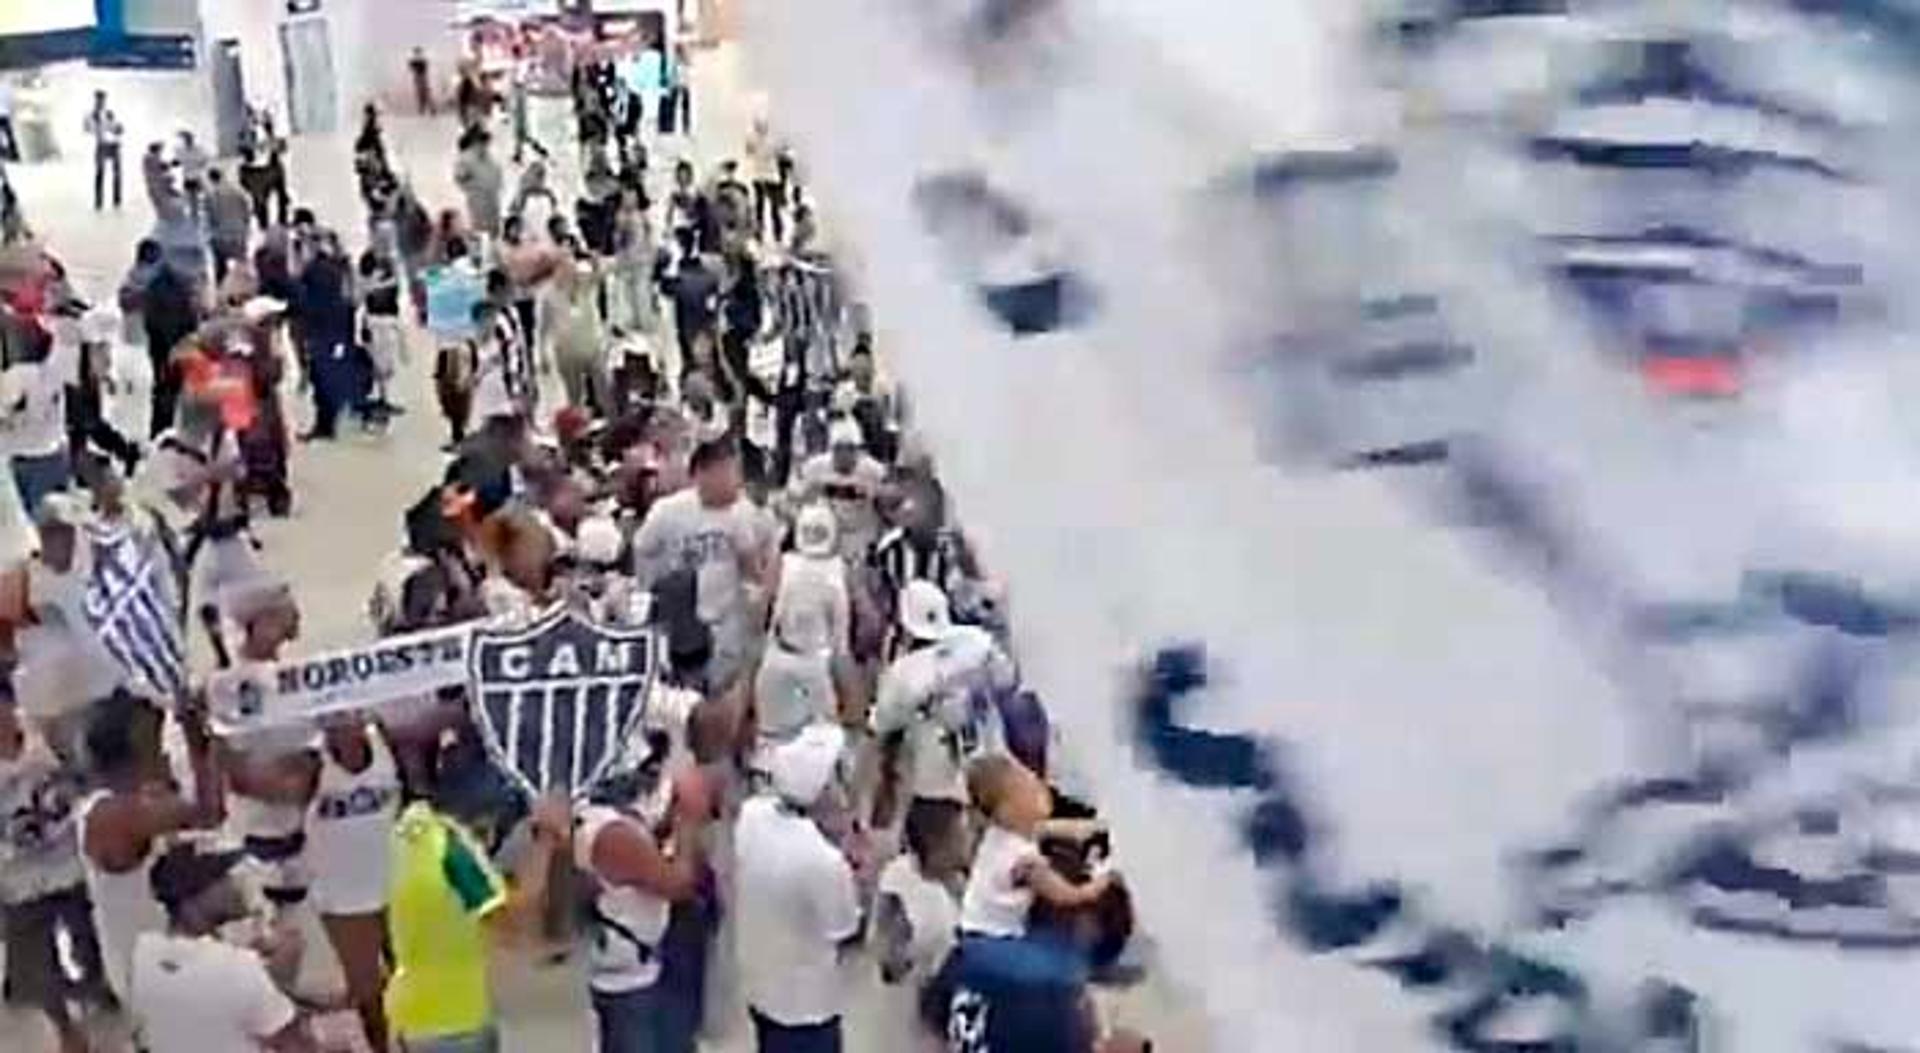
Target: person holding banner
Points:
(123, 824)
(350, 824)
(272, 779)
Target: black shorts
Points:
(35, 976)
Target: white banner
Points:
(303, 690)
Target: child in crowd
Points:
(1009, 870)
(916, 914)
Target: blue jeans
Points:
(772, 1037)
(644, 1021)
(38, 475)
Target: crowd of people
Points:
(839, 767)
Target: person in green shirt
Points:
(448, 905)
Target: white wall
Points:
(152, 104)
(255, 23)
(370, 39)
(44, 16)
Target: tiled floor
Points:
(350, 495)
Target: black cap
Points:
(185, 871)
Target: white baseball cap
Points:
(262, 307)
(924, 612)
(599, 541)
(846, 432)
(804, 767)
(815, 532)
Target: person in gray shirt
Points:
(229, 222)
(713, 532)
(480, 180)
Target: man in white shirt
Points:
(713, 532)
(798, 901)
(640, 840)
(814, 577)
(191, 991)
(104, 128)
(850, 481)
(42, 885)
(198, 466)
(932, 711)
(194, 162)
(33, 415)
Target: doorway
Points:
(312, 93)
(229, 98)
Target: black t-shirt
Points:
(170, 313)
(383, 286)
(693, 291)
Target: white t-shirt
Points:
(818, 585)
(625, 955)
(852, 495)
(930, 696)
(932, 913)
(33, 402)
(797, 903)
(792, 690)
(169, 468)
(350, 831)
(494, 387)
(39, 845)
(193, 161)
(761, 158)
(199, 995)
(995, 903)
(718, 544)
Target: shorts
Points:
(775, 1037)
(35, 976)
(385, 344)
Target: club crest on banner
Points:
(558, 700)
